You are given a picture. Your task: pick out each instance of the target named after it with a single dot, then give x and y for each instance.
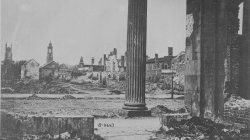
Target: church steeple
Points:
(8, 53)
(50, 53)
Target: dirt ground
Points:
(100, 108)
(105, 110)
(128, 129)
(86, 99)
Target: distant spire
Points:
(81, 64)
(50, 44)
(6, 45)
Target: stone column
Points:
(136, 58)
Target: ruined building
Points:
(217, 58)
(50, 53)
(30, 70)
(64, 71)
(112, 64)
(49, 70)
(7, 65)
(83, 68)
(156, 66)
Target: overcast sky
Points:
(87, 28)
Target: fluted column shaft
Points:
(136, 55)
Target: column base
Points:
(136, 113)
(135, 110)
(134, 106)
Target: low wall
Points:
(80, 126)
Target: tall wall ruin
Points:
(213, 56)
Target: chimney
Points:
(115, 51)
(122, 60)
(170, 51)
(156, 57)
(125, 58)
(92, 61)
(104, 59)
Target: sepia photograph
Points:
(125, 70)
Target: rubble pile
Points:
(116, 85)
(27, 86)
(47, 136)
(166, 82)
(68, 97)
(7, 90)
(38, 87)
(34, 97)
(160, 88)
(150, 87)
(198, 128)
(116, 92)
(58, 88)
(237, 111)
(160, 109)
(238, 103)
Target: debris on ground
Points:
(68, 97)
(7, 90)
(116, 92)
(161, 88)
(34, 97)
(198, 128)
(159, 91)
(27, 86)
(46, 136)
(236, 102)
(39, 87)
(160, 109)
(58, 88)
(116, 85)
(181, 110)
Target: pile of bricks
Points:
(235, 115)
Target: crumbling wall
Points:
(233, 44)
(245, 53)
(206, 56)
(29, 71)
(192, 66)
